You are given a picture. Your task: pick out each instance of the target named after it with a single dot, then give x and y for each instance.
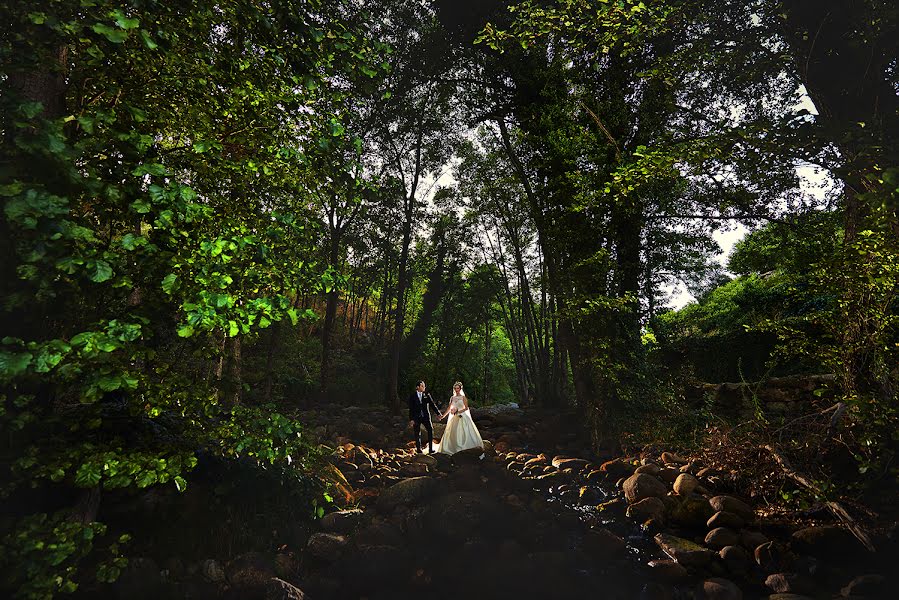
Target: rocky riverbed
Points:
(534, 517)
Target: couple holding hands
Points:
(460, 433)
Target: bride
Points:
(461, 432)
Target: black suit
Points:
(420, 414)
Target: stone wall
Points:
(786, 397)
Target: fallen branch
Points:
(834, 507)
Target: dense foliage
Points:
(218, 213)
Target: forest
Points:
(658, 242)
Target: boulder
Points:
(425, 459)
(617, 468)
(604, 544)
(406, 492)
(667, 570)
(771, 556)
(736, 559)
(471, 456)
(725, 519)
(278, 589)
(733, 505)
(251, 570)
(640, 486)
(826, 542)
(567, 462)
(650, 469)
(684, 551)
(720, 537)
(874, 586)
(326, 546)
(669, 475)
(342, 521)
(648, 508)
(789, 583)
(670, 458)
(692, 511)
(752, 539)
(685, 484)
(718, 588)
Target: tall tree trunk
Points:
(330, 317)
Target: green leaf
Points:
(148, 41)
(185, 331)
(99, 271)
(147, 478)
(141, 206)
(116, 36)
(88, 475)
(125, 22)
(169, 282)
(232, 328)
(180, 483)
(13, 364)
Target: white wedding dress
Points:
(461, 432)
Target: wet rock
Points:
(825, 542)
(278, 589)
(719, 589)
(736, 559)
(667, 570)
(287, 565)
(471, 456)
(406, 492)
(720, 537)
(648, 508)
(595, 477)
(589, 495)
(567, 462)
(771, 556)
(685, 484)
(342, 521)
(789, 583)
(326, 546)
(212, 570)
(640, 486)
(604, 544)
(670, 458)
(732, 505)
(874, 586)
(540, 459)
(251, 570)
(726, 519)
(692, 511)
(669, 475)
(414, 469)
(650, 469)
(684, 551)
(617, 468)
(425, 459)
(752, 539)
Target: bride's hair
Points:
(461, 389)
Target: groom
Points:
(419, 414)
